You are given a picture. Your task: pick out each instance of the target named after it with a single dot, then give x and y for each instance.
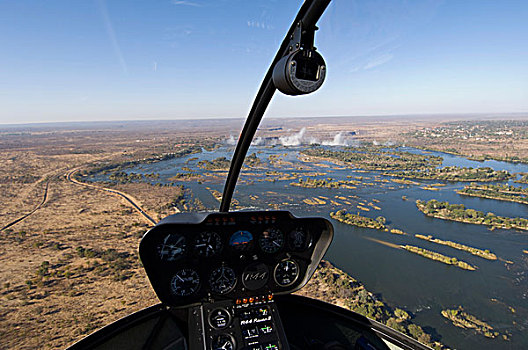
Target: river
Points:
(421, 286)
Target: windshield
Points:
(116, 114)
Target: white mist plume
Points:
(339, 140)
(293, 140)
(298, 139)
(259, 141)
(231, 140)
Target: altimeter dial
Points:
(172, 248)
(222, 280)
(286, 273)
(185, 282)
(271, 240)
(208, 244)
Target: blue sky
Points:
(139, 59)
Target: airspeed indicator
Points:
(172, 248)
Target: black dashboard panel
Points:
(238, 256)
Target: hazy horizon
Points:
(444, 116)
(80, 61)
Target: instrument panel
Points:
(197, 257)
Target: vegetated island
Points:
(337, 287)
(439, 257)
(486, 254)
(455, 174)
(462, 319)
(363, 221)
(220, 163)
(324, 183)
(498, 192)
(123, 178)
(358, 220)
(186, 176)
(376, 158)
(458, 212)
(523, 179)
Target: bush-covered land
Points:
(462, 319)
(439, 257)
(499, 192)
(358, 220)
(376, 158)
(185, 176)
(252, 160)
(335, 286)
(104, 167)
(502, 140)
(486, 254)
(523, 179)
(220, 163)
(124, 178)
(458, 212)
(454, 173)
(311, 182)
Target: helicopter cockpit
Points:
(230, 266)
(225, 279)
(225, 282)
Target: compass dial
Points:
(271, 240)
(185, 282)
(208, 244)
(172, 248)
(222, 280)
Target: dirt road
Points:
(130, 200)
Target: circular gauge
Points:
(271, 240)
(172, 248)
(286, 273)
(222, 280)
(223, 342)
(241, 240)
(219, 318)
(299, 239)
(185, 282)
(208, 244)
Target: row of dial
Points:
(208, 244)
(223, 279)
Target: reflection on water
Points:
(422, 286)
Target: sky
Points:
(63, 60)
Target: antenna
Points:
(298, 39)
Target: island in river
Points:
(439, 257)
(458, 212)
(462, 319)
(500, 192)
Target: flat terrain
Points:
(71, 266)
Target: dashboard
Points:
(240, 256)
(226, 268)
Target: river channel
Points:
(414, 283)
